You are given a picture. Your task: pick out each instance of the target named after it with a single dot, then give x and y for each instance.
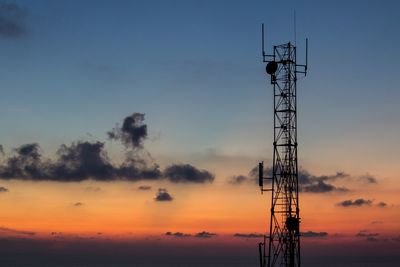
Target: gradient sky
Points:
(72, 70)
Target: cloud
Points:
(369, 179)
(14, 231)
(381, 204)
(3, 189)
(132, 133)
(163, 195)
(144, 187)
(135, 168)
(81, 161)
(184, 173)
(372, 237)
(365, 233)
(1, 150)
(205, 235)
(78, 204)
(25, 163)
(84, 160)
(12, 20)
(77, 162)
(238, 179)
(313, 234)
(319, 184)
(308, 183)
(251, 235)
(321, 187)
(356, 203)
(177, 234)
(92, 189)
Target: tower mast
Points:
(284, 227)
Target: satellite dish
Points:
(271, 67)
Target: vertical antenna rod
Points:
(294, 26)
(262, 40)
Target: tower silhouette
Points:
(284, 227)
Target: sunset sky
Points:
(129, 130)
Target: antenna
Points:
(262, 40)
(265, 56)
(294, 25)
(305, 68)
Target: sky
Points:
(130, 129)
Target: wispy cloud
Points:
(360, 202)
(205, 234)
(355, 203)
(313, 234)
(144, 187)
(15, 231)
(3, 189)
(250, 235)
(177, 234)
(12, 20)
(369, 236)
(381, 204)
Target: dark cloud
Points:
(81, 161)
(25, 163)
(144, 187)
(186, 173)
(137, 163)
(76, 162)
(321, 187)
(239, 179)
(12, 18)
(163, 195)
(78, 204)
(319, 184)
(3, 189)
(368, 179)
(381, 204)
(85, 160)
(14, 231)
(307, 182)
(205, 235)
(356, 203)
(88, 160)
(251, 235)
(136, 168)
(368, 235)
(313, 234)
(177, 234)
(132, 133)
(1, 150)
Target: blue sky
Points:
(194, 68)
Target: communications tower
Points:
(284, 228)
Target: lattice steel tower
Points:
(284, 228)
